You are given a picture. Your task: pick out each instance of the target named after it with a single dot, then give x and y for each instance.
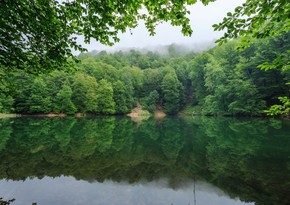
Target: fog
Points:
(201, 20)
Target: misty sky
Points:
(202, 18)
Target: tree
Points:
(55, 81)
(171, 89)
(197, 74)
(38, 35)
(259, 19)
(256, 19)
(85, 96)
(39, 100)
(120, 98)
(152, 100)
(216, 100)
(229, 88)
(105, 101)
(63, 102)
(283, 109)
(6, 100)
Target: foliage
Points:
(6, 100)
(256, 19)
(220, 81)
(260, 19)
(38, 36)
(6, 103)
(64, 102)
(171, 89)
(39, 100)
(221, 85)
(152, 100)
(85, 95)
(105, 100)
(283, 109)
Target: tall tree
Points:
(64, 102)
(120, 98)
(106, 104)
(197, 75)
(39, 100)
(171, 89)
(85, 96)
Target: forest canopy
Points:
(220, 81)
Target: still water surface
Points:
(114, 160)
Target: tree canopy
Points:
(256, 19)
(39, 35)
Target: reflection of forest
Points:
(248, 159)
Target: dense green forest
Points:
(221, 81)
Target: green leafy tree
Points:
(197, 75)
(272, 77)
(246, 98)
(85, 93)
(99, 70)
(283, 109)
(6, 100)
(120, 98)
(39, 100)
(171, 90)
(106, 104)
(260, 19)
(151, 81)
(256, 19)
(216, 101)
(152, 100)
(229, 91)
(63, 100)
(22, 90)
(6, 103)
(133, 79)
(55, 81)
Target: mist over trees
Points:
(220, 81)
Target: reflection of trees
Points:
(90, 135)
(61, 131)
(172, 139)
(246, 158)
(5, 133)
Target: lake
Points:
(175, 161)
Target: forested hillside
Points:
(220, 81)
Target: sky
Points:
(201, 20)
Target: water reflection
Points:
(156, 162)
(62, 190)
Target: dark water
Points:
(176, 161)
